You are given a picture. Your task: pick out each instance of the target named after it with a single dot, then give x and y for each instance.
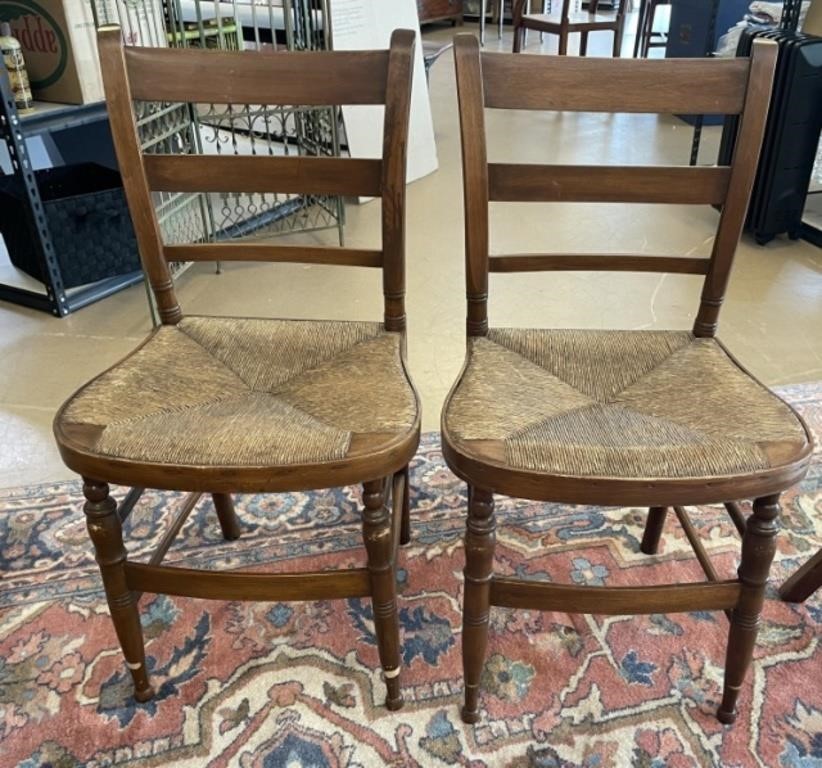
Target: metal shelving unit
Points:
(253, 129)
(16, 130)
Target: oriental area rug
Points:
(295, 685)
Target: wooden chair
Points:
(639, 418)
(235, 405)
(568, 22)
(645, 28)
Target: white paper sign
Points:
(368, 24)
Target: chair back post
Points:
(475, 179)
(135, 184)
(395, 150)
(740, 185)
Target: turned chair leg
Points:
(229, 524)
(377, 538)
(479, 568)
(405, 526)
(106, 534)
(758, 548)
(653, 530)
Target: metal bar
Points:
(34, 211)
(128, 502)
(85, 296)
(737, 515)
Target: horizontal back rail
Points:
(263, 173)
(310, 78)
(670, 86)
(511, 182)
(595, 262)
(296, 254)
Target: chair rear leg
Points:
(653, 530)
(405, 526)
(381, 568)
(804, 582)
(583, 43)
(519, 33)
(106, 534)
(479, 568)
(229, 524)
(563, 42)
(758, 548)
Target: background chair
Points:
(236, 405)
(567, 22)
(639, 418)
(645, 27)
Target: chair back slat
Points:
(616, 262)
(263, 173)
(309, 78)
(579, 84)
(296, 254)
(610, 184)
(516, 81)
(323, 78)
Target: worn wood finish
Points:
(664, 598)
(479, 569)
(737, 516)
(802, 584)
(405, 529)
(189, 75)
(475, 181)
(653, 530)
(263, 173)
(568, 22)
(296, 254)
(185, 510)
(103, 524)
(126, 506)
(758, 549)
(569, 84)
(524, 182)
(696, 544)
(656, 86)
(229, 585)
(311, 78)
(127, 148)
(616, 262)
(376, 531)
(229, 522)
(743, 171)
(395, 151)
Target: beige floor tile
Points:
(771, 320)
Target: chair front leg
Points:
(229, 524)
(758, 549)
(106, 534)
(479, 568)
(377, 538)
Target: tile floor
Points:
(772, 319)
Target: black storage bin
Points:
(88, 219)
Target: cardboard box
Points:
(60, 45)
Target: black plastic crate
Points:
(88, 219)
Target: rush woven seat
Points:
(234, 392)
(627, 404)
(225, 405)
(655, 419)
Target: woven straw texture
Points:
(626, 404)
(247, 392)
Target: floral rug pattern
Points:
(261, 685)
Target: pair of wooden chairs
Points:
(229, 405)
